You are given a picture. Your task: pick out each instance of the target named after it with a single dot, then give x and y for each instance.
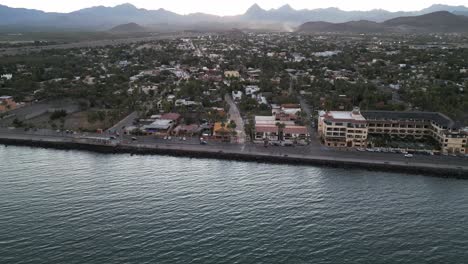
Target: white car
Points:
(409, 155)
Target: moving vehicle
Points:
(409, 155)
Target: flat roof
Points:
(264, 118)
(345, 116)
(438, 118)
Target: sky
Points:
(230, 7)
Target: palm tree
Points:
(280, 126)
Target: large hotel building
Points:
(351, 129)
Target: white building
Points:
(237, 95)
(7, 76)
(251, 89)
(343, 128)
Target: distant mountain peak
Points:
(440, 21)
(286, 7)
(101, 17)
(255, 8)
(442, 7)
(125, 6)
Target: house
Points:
(8, 76)
(231, 74)
(291, 108)
(160, 127)
(266, 133)
(295, 133)
(184, 102)
(267, 128)
(164, 125)
(187, 130)
(7, 103)
(285, 117)
(251, 90)
(171, 116)
(221, 132)
(236, 95)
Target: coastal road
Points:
(237, 118)
(303, 153)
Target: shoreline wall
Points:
(246, 157)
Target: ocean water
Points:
(81, 207)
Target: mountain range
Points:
(283, 18)
(436, 22)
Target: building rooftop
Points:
(160, 124)
(170, 116)
(345, 116)
(438, 118)
(266, 129)
(296, 130)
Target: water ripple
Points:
(80, 207)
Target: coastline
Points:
(428, 169)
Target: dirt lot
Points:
(76, 121)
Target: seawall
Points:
(454, 172)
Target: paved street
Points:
(236, 116)
(126, 122)
(304, 152)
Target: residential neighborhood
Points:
(361, 92)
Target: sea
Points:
(81, 207)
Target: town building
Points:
(231, 74)
(352, 129)
(343, 128)
(279, 129)
(237, 95)
(164, 125)
(288, 109)
(7, 76)
(221, 132)
(445, 131)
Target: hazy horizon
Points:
(224, 9)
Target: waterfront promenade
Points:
(446, 166)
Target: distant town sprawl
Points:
(385, 92)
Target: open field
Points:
(85, 40)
